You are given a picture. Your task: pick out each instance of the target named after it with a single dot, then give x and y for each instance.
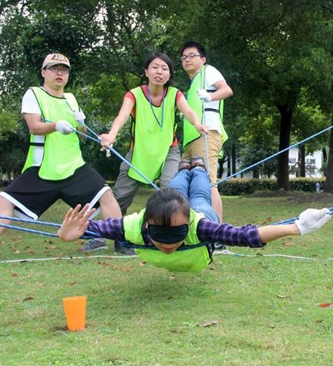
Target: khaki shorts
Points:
(198, 148)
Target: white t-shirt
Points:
(212, 119)
(30, 104)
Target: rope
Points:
(66, 258)
(224, 252)
(121, 158)
(272, 156)
(228, 252)
(204, 123)
(110, 148)
(88, 234)
(292, 220)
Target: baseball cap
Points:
(55, 59)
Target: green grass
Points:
(243, 310)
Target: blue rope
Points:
(29, 221)
(121, 158)
(97, 139)
(292, 220)
(88, 234)
(272, 156)
(204, 123)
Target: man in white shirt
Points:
(206, 96)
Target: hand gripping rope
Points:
(204, 123)
(89, 234)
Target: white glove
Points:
(312, 219)
(204, 95)
(107, 151)
(64, 127)
(79, 117)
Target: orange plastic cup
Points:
(75, 312)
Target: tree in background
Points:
(276, 54)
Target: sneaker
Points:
(94, 244)
(184, 164)
(121, 249)
(220, 246)
(198, 162)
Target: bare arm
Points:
(309, 220)
(118, 123)
(223, 90)
(273, 232)
(37, 126)
(189, 113)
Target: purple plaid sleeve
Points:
(244, 236)
(109, 228)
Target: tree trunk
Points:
(233, 158)
(283, 158)
(329, 173)
(301, 159)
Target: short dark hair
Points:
(163, 204)
(164, 58)
(201, 49)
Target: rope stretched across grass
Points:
(90, 235)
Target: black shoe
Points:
(198, 162)
(220, 246)
(94, 244)
(184, 164)
(120, 249)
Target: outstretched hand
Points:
(75, 223)
(312, 219)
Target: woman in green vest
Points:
(178, 225)
(154, 149)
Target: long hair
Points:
(163, 204)
(164, 58)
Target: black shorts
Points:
(32, 195)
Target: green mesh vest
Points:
(153, 132)
(61, 153)
(191, 260)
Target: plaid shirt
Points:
(207, 231)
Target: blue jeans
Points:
(195, 186)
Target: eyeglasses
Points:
(190, 56)
(56, 69)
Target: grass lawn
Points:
(246, 309)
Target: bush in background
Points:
(241, 186)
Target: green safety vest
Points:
(61, 153)
(190, 133)
(192, 260)
(152, 140)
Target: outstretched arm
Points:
(189, 113)
(75, 223)
(118, 123)
(309, 220)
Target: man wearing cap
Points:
(54, 168)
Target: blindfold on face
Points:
(168, 234)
